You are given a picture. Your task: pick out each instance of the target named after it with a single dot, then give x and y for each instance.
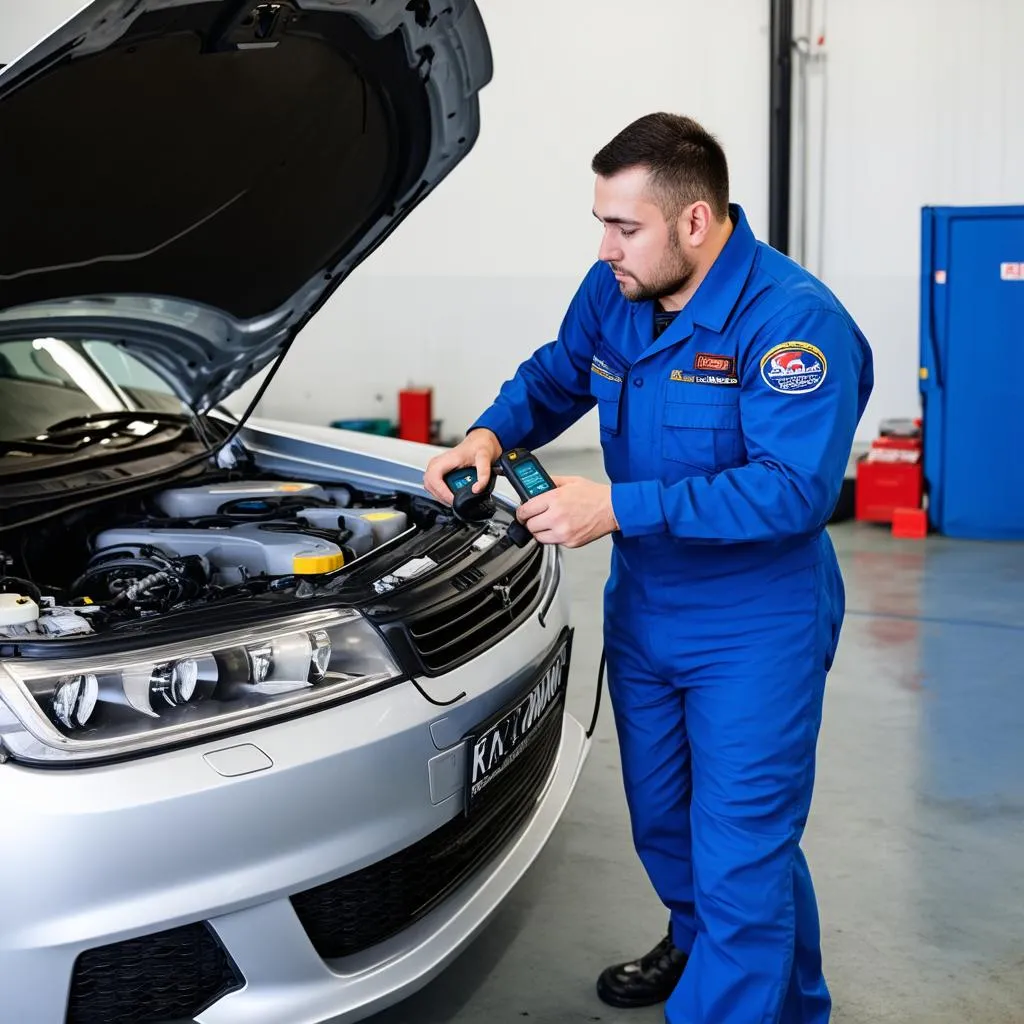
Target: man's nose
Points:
(609, 251)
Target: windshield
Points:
(44, 381)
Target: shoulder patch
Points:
(794, 368)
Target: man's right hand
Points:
(480, 448)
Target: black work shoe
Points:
(644, 982)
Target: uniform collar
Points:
(716, 298)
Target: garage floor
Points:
(916, 837)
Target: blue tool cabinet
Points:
(972, 370)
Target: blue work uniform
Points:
(726, 440)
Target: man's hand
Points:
(577, 512)
(480, 448)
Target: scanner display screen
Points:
(460, 478)
(531, 478)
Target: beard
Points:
(671, 275)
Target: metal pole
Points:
(781, 123)
(804, 56)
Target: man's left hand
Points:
(577, 512)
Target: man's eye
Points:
(628, 232)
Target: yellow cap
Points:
(923, 372)
(378, 517)
(311, 565)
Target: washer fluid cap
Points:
(313, 565)
(16, 610)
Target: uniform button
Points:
(638, 382)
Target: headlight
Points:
(64, 711)
(74, 700)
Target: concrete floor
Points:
(916, 837)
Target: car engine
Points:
(191, 545)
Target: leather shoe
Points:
(644, 982)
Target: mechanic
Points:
(729, 383)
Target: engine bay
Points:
(189, 546)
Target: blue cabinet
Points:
(972, 370)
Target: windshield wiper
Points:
(68, 435)
(89, 418)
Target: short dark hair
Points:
(686, 163)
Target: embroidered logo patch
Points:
(685, 377)
(794, 368)
(716, 364)
(602, 369)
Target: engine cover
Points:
(194, 502)
(235, 553)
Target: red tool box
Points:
(890, 476)
(415, 414)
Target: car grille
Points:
(478, 617)
(356, 912)
(171, 975)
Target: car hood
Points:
(193, 178)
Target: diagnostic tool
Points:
(523, 470)
(467, 506)
(525, 473)
(529, 478)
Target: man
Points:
(729, 383)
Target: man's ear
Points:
(695, 222)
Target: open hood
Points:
(193, 178)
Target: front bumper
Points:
(96, 857)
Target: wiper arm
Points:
(77, 422)
(30, 446)
(68, 435)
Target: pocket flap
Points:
(604, 389)
(713, 417)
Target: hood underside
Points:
(193, 178)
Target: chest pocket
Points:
(608, 393)
(701, 427)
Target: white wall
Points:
(481, 273)
(920, 105)
(23, 24)
(922, 100)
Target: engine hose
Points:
(597, 698)
(139, 587)
(14, 584)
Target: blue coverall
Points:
(726, 441)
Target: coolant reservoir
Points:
(361, 541)
(386, 523)
(16, 610)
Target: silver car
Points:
(278, 733)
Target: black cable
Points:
(597, 701)
(436, 703)
(25, 588)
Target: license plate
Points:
(494, 750)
